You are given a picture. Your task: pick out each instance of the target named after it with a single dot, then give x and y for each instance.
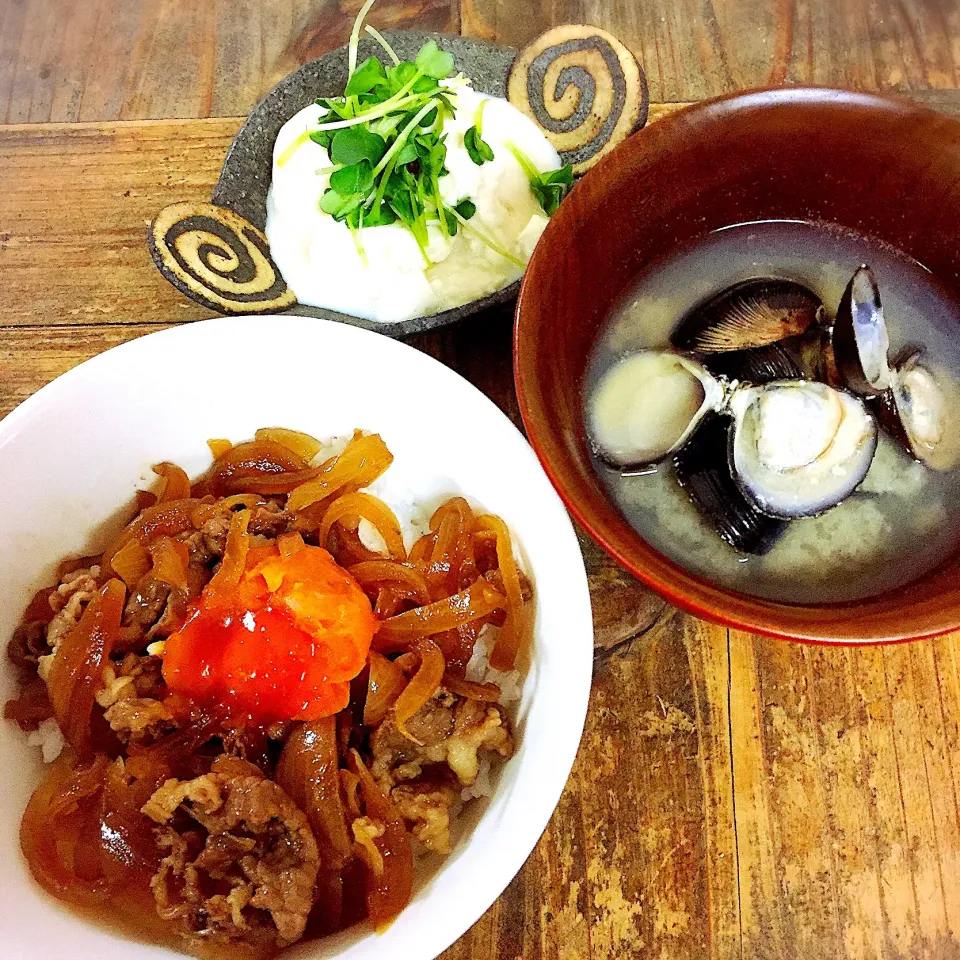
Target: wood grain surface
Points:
(733, 796)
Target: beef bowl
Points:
(212, 681)
(737, 355)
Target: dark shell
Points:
(753, 313)
(758, 365)
(884, 408)
(812, 352)
(703, 471)
(861, 359)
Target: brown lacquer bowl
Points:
(882, 167)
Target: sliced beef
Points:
(241, 862)
(425, 807)
(69, 600)
(448, 729)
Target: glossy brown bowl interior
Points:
(882, 167)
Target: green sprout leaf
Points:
(477, 148)
(354, 144)
(381, 216)
(563, 176)
(336, 110)
(402, 205)
(386, 126)
(434, 62)
(400, 75)
(434, 156)
(386, 145)
(357, 178)
(429, 119)
(323, 137)
(339, 207)
(408, 153)
(464, 210)
(551, 187)
(426, 85)
(365, 77)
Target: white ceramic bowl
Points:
(73, 454)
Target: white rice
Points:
(332, 447)
(481, 787)
(479, 670)
(49, 738)
(413, 513)
(511, 689)
(371, 537)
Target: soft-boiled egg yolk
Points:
(283, 645)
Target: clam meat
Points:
(917, 411)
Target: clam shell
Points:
(860, 340)
(758, 365)
(647, 404)
(885, 409)
(753, 313)
(784, 466)
(703, 471)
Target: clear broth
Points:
(901, 522)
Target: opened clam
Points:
(799, 447)
(916, 404)
(702, 468)
(647, 405)
(917, 410)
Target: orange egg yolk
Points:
(282, 645)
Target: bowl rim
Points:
(535, 815)
(815, 633)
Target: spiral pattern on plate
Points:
(218, 258)
(584, 89)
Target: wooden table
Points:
(733, 796)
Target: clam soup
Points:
(898, 522)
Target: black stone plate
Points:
(248, 167)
